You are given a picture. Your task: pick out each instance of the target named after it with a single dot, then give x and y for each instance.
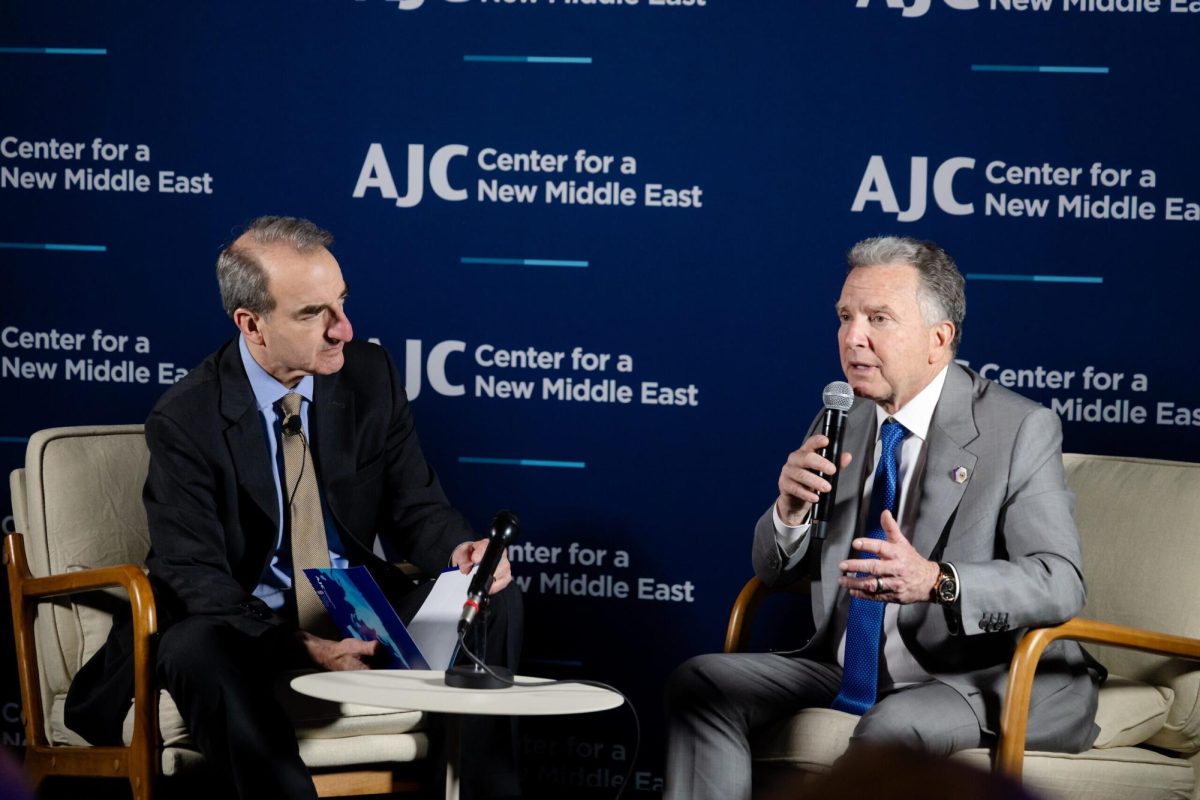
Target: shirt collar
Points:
(267, 390)
(917, 414)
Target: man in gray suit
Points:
(950, 533)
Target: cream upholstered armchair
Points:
(75, 559)
(1139, 520)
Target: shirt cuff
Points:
(792, 540)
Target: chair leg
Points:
(141, 785)
(35, 769)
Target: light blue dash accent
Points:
(82, 248)
(528, 59)
(522, 462)
(1077, 70)
(15, 439)
(1036, 68)
(993, 276)
(58, 51)
(560, 59)
(523, 262)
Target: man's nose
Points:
(855, 333)
(340, 329)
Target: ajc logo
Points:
(435, 368)
(918, 8)
(376, 174)
(876, 187)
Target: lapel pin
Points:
(960, 474)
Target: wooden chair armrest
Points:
(1014, 719)
(741, 616)
(24, 593)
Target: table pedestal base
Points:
(471, 677)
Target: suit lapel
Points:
(244, 436)
(951, 430)
(333, 424)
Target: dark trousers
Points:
(223, 682)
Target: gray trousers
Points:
(716, 702)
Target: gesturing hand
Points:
(338, 655)
(898, 575)
(468, 554)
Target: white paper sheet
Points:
(435, 627)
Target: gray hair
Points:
(240, 273)
(940, 291)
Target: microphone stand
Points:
(472, 675)
(505, 528)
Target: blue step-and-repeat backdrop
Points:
(603, 239)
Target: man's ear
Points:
(248, 323)
(941, 336)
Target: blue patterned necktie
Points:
(860, 676)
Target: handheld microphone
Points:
(505, 528)
(838, 397)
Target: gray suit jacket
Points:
(1008, 530)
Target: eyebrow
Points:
(318, 308)
(840, 307)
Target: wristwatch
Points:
(945, 589)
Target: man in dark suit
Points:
(951, 532)
(220, 527)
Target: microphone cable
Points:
(637, 725)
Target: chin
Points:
(860, 387)
(328, 366)
(868, 391)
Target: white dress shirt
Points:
(898, 667)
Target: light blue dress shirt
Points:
(276, 580)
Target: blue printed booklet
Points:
(361, 611)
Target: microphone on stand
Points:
(505, 528)
(838, 397)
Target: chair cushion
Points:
(1130, 712)
(810, 740)
(814, 738)
(312, 718)
(375, 749)
(1118, 773)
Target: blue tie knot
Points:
(892, 433)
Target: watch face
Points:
(947, 589)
